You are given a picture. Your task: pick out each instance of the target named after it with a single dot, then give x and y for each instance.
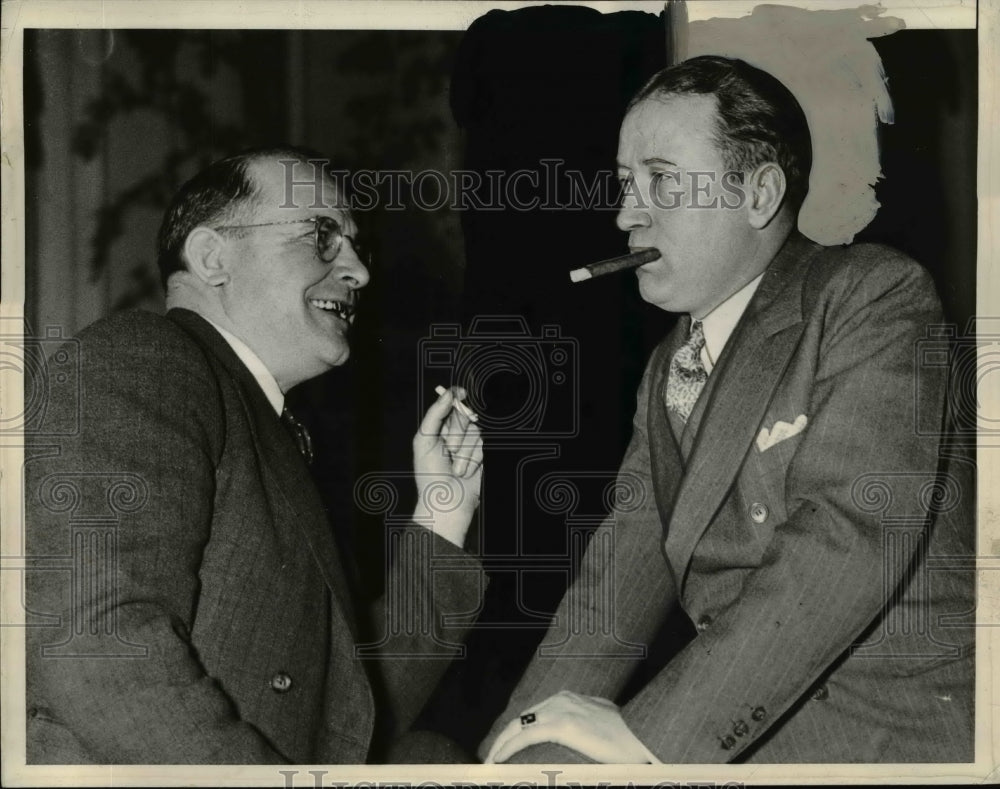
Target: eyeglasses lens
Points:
(328, 238)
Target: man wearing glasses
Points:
(214, 624)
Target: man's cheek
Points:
(703, 190)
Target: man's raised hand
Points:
(448, 468)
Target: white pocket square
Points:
(781, 430)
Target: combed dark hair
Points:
(759, 119)
(220, 194)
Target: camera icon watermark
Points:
(971, 359)
(525, 388)
(47, 366)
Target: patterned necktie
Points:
(687, 374)
(298, 430)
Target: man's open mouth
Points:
(341, 309)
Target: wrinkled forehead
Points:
(288, 185)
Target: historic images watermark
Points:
(549, 779)
(550, 186)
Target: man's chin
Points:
(323, 362)
(658, 297)
(338, 357)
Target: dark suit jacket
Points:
(189, 600)
(834, 622)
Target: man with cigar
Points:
(782, 485)
(207, 617)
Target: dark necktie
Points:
(687, 374)
(298, 431)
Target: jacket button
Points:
(758, 512)
(281, 682)
(741, 728)
(821, 693)
(728, 742)
(703, 623)
(758, 714)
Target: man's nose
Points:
(347, 266)
(632, 215)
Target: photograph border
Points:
(19, 15)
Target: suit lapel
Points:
(278, 454)
(748, 372)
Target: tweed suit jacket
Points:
(188, 597)
(809, 523)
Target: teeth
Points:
(338, 308)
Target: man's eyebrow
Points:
(658, 160)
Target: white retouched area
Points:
(826, 59)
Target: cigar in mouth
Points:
(612, 265)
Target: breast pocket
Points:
(763, 475)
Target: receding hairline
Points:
(717, 129)
(256, 165)
(662, 97)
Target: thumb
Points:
(430, 425)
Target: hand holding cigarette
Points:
(458, 405)
(633, 260)
(447, 467)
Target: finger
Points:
(459, 466)
(458, 396)
(433, 419)
(461, 420)
(475, 460)
(453, 430)
(558, 720)
(529, 735)
(462, 442)
(461, 404)
(504, 735)
(452, 436)
(515, 726)
(468, 454)
(508, 732)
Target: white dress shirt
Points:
(721, 321)
(256, 367)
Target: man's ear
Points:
(766, 192)
(204, 253)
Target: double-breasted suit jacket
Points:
(808, 522)
(188, 599)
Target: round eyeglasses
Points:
(328, 237)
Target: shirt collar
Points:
(721, 321)
(256, 367)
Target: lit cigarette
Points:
(612, 265)
(461, 407)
